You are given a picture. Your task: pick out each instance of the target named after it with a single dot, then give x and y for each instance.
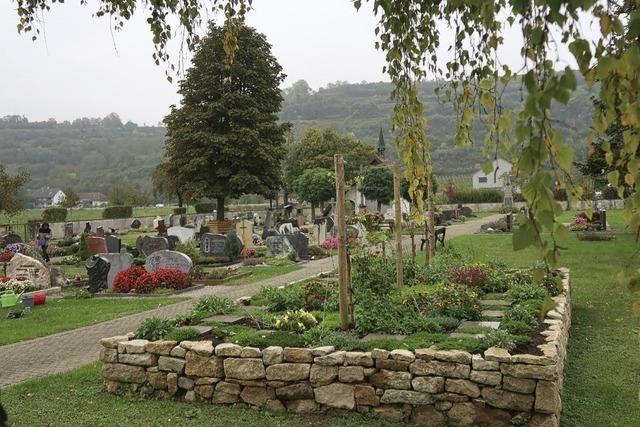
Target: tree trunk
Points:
(220, 208)
(180, 200)
(285, 197)
(431, 207)
(379, 206)
(313, 211)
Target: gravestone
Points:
(184, 234)
(278, 245)
(135, 224)
(466, 211)
(244, 230)
(313, 235)
(168, 259)
(286, 228)
(10, 239)
(117, 262)
(100, 231)
(256, 240)
(147, 245)
(98, 271)
(212, 244)
(156, 221)
(68, 229)
(162, 228)
(267, 224)
(96, 245)
(173, 240)
(114, 244)
(31, 268)
(300, 244)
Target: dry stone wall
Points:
(425, 386)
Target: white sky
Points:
(83, 70)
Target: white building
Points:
(46, 197)
(496, 178)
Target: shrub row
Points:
(113, 212)
(138, 280)
(477, 196)
(54, 215)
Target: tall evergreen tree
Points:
(225, 139)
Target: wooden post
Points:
(343, 273)
(396, 197)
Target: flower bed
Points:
(427, 385)
(136, 280)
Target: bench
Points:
(439, 235)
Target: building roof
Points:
(92, 197)
(44, 193)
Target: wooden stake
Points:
(343, 273)
(396, 197)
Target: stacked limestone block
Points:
(425, 386)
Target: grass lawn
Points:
(261, 273)
(602, 371)
(76, 398)
(63, 314)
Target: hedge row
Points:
(113, 212)
(54, 215)
(179, 211)
(477, 196)
(204, 207)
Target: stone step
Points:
(489, 302)
(492, 313)
(200, 328)
(374, 336)
(229, 319)
(483, 323)
(466, 335)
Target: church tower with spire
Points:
(381, 146)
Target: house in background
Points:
(46, 197)
(92, 200)
(497, 178)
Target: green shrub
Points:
(217, 273)
(54, 215)
(204, 207)
(315, 250)
(385, 316)
(185, 334)
(281, 299)
(189, 249)
(153, 328)
(372, 275)
(250, 337)
(477, 196)
(504, 339)
(320, 295)
(261, 251)
(278, 262)
(446, 258)
(232, 245)
(295, 321)
(113, 212)
(518, 320)
(66, 242)
(83, 251)
(515, 327)
(552, 282)
(525, 292)
(474, 275)
(320, 336)
(213, 305)
(180, 211)
(447, 299)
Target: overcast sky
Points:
(82, 69)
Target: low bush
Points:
(295, 321)
(125, 280)
(261, 251)
(180, 211)
(232, 245)
(249, 262)
(217, 273)
(477, 196)
(450, 299)
(153, 328)
(279, 338)
(320, 336)
(281, 299)
(504, 339)
(185, 334)
(204, 207)
(213, 305)
(113, 212)
(372, 275)
(145, 284)
(552, 282)
(54, 215)
(330, 243)
(279, 262)
(523, 292)
(474, 275)
(516, 327)
(172, 278)
(320, 295)
(189, 249)
(315, 250)
(518, 320)
(446, 259)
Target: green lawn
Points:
(261, 273)
(76, 398)
(63, 314)
(602, 371)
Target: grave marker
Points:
(184, 234)
(31, 268)
(96, 245)
(147, 245)
(244, 230)
(117, 262)
(114, 244)
(168, 259)
(212, 244)
(98, 271)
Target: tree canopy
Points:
(225, 140)
(315, 186)
(10, 185)
(377, 184)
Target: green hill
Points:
(90, 154)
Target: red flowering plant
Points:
(126, 279)
(474, 275)
(330, 243)
(172, 278)
(6, 256)
(145, 284)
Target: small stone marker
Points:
(278, 245)
(484, 324)
(491, 302)
(300, 244)
(34, 270)
(168, 259)
(173, 241)
(244, 230)
(466, 211)
(96, 245)
(100, 231)
(184, 234)
(212, 244)
(10, 239)
(114, 244)
(117, 262)
(68, 229)
(98, 271)
(147, 245)
(135, 224)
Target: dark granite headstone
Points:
(162, 228)
(466, 211)
(300, 244)
(147, 245)
(98, 271)
(267, 225)
(135, 224)
(10, 239)
(448, 215)
(172, 242)
(114, 244)
(212, 244)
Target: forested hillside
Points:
(92, 154)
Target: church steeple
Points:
(381, 146)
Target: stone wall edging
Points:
(425, 386)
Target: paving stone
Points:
(492, 313)
(229, 319)
(371, 337)
(481, 323)
(202, 329)
(489, 302)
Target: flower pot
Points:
(39, 299)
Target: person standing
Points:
(256, 219)
(42, 240)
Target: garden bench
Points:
(439, 235)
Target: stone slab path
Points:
(68, 350)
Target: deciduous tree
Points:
(10, 185)
(315, 186)
(377, 184)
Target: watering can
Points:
(8, 299)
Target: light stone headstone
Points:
(117, 262)
(31, 268)
(313, 235)
(147, 245)
(286, 228)
(184, 234)
(244, 230)
(322, 232)
(278, 245)
(212, 244)
(68, 229)
(168, 259)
